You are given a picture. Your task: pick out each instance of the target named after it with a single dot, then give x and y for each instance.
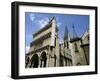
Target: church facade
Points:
(46, 51)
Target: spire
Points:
(51, 19)
(66, 38)
(74, 36)
(74, 32)
(66, 33)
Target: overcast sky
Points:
(36, 21)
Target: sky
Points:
(36, 21)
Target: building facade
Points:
(46, 51)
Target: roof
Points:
(75, 39)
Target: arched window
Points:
(55, 42)
(76, 48)
(54, 60)
(67, 45)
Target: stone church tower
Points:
(65, 52)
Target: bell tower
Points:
(66, 49)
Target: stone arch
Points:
(43, 59)
(35, 61)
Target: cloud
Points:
(59, 24)
(58, 21)
(39, 20)
(32, 17)
(43, 22)
(57, 18)
(27, 49)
